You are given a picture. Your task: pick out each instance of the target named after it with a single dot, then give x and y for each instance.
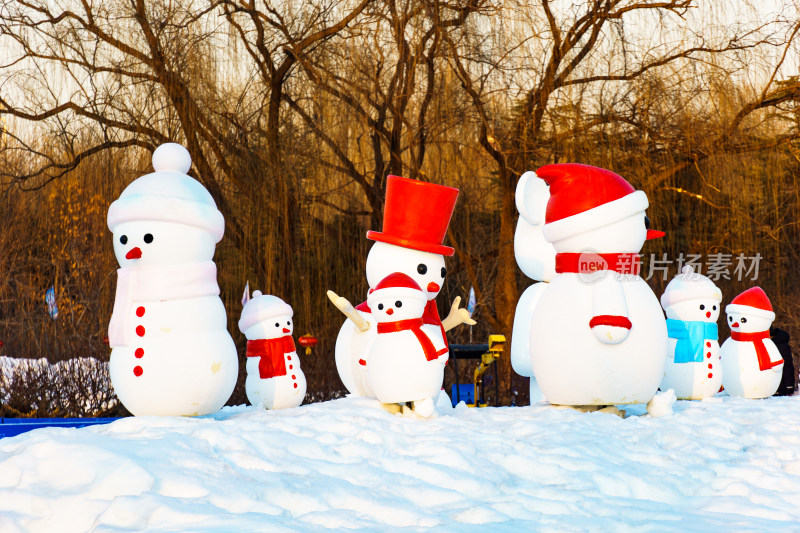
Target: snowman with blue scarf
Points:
(692, 303)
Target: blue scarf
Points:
(690, 335)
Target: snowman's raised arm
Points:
(457, 316)
(343, 305)
(610, 322)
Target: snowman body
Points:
(171, 351)
(406, 357)
(351, 352)
(753, 364)
(693, 368)
(278, 383)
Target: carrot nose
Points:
(134, 253)
(708, 314)
(654, 234)
(432, 287)
(390, 311)
(286, 330)
(735, 325)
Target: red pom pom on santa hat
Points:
(753, 301)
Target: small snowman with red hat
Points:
(597, 333)
(415, 222)
(752, 362)
(692, 303)
(274, 378)
(406, 356)
(171, 351)
(537, 259)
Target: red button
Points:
(710, 366)
(708, 344)
(140, 311)
(289, 357)
(294, 377)
(291, 367)
(140, 331)
(710, 375)
(362, 362)
(708, 355)
(295, 385)
(138, 353)
(137, 371)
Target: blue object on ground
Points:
(464, 393)
(10, 427)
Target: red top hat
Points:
(416, 215)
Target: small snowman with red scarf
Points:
(753, 365)
(597, 334)
(171, 352)
(406, 356)
(274, 378)
(692, 303)
(415, 223)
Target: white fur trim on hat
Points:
(750, 310)
(596, 217)
(689, 285)
(262, 307)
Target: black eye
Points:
(422, 268)
(744, 320)
(123, 239)
(730, 319)
(702, 307)
(646, 222)
(148, 238)
(277, 325)
(288, 322)
(380, 307)
(714, 308)
(444, 272)
(398, 303)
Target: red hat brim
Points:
(408, 243)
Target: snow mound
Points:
(725, 465)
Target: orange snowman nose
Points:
(390, 311)
(134, 253)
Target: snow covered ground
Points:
(726, 464)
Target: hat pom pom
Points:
(172, 157)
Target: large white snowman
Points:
(752, 364)
(274, 378)
(537, 259)
(406, 356)
(692, 303)
(415, 222)
(597, 333)
(171, 352)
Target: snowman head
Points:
(750, 312)
(166, 216)
(692, 297)
(425, 268)
(396, 297)
(593, 209)
(266, 317)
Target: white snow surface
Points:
(723, 464)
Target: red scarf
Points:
(757, 339)
(415, 326)
(429, 316)
(271, 352)
(587, 262)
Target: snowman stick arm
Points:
(457, 316)
(343, 305)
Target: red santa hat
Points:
(396, 285)
(168, 195)
(416, 215)
(584, 198)
(753, 302)
(262, 307)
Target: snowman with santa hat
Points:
(597, 333)
(406, 356)
(171, 352)
(274, 378)
(692, 303)
(752, 362)
(416, 217)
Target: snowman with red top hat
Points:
(406, 356)
(752, 364)
(171, 350)
(597, 333)
(274, 378)
(415, 222)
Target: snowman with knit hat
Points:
(692, 303)
(597, 334)
(752, 362)
(416, 217)
(406, 356)
(274, 378)
(171, 351)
